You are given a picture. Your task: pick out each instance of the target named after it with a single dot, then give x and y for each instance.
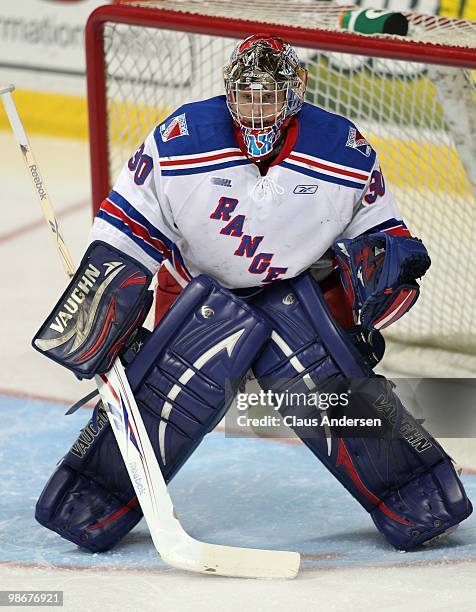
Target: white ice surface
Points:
(437, 589)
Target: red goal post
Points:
(413, 97)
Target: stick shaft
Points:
(171, 541)
(36, 177)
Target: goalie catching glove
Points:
(105, 302)
(379, 273)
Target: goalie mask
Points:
(265, 86)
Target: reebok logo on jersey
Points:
(305, 189)
(222, 182)
(176, 127)
(355, 140)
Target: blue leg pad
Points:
(183, 378)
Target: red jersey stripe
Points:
(398, 231)
(201, 160)
(178, 266)
(139, 230)
(316, 164)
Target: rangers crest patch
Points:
(176, 127)
(355, 140)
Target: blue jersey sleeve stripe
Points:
(125, 229)
(136, 216)
(179, 264)
(322, 177)
(388, 224)
(210, 168)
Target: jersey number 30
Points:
(141, 164)
(376, 187)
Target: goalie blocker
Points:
(105, 302)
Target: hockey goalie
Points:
(280, 250)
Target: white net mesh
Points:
(312, 14)
(420, 118)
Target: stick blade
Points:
(240, 562)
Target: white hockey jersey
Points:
(190, 195)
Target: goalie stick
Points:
(175, 546)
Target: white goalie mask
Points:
(265, 86)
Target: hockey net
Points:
(413, 97)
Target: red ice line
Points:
(33, 225)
